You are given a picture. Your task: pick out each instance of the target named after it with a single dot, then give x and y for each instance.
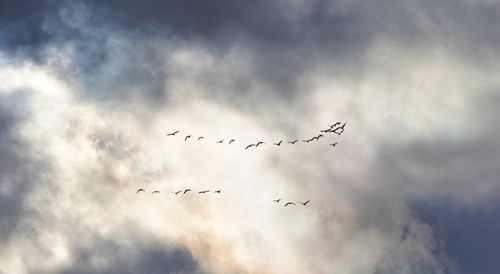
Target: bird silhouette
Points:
(341, 129)
(156, 191)
(217, 191)
(201, 137)
(177, 192)
(325, 130)
(187, 137)
(306, 141)
(289, 203)
(279, 143)
(140, 189)
(293, 142)
(173, 133)
(305, 203)
(204, 191)
(260, 143)
(232, 140)
(185, 191)
(334, 144)
(277, 201)
(334, 125)
(249, 146)
(220, 142)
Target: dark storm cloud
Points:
(18, 169)
(285, 40)
(147, 259)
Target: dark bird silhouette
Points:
(173, 133)
(220, 142)
(232, 140)
(319, 136)
(306, 141)
(204, 191)
(260, 143)
(187, 137)
(341, 128)
(325, 130)
(334, 144)
(217, 191)
(201, 137)
(140, 189)
(279, 143)
(156, 191)
(249, 146)
(277, 201)
(334, 125)
(305, 203)
(289, 203)
(293, 142)
(177, 192)
(186, 191)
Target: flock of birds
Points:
(337, 128)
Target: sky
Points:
(89, 91)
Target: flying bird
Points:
(334, 125)
(156, 191)
(177, 192)
(186, 191)
(187, 137)
(232, 140)
(140, 189)
(259, 143)
(341, 129)
(201, 137)
(293, 142)
(305, 203)
(289, 203)
(306, 141)
(249, 146)
(173, 133)
(277, 201)
(334, 144)
(220, 142)
(278, 144)
(217, 191)
(204, 191)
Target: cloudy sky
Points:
(89, 90)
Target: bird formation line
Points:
(182, 191)
(291, 203)
(336, 128)
(218, 191)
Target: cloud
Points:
(87, 98)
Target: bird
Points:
(334, 144)
(249, 146)
(325, 130)
(341, 128)
(279, 143)
(186, 191)
(319, 136)
(201, 137)
(289, 203)
(173, 133)
(306, 141)
(156, 191)
(293, 142)
(187, 137)
(177, 192)
(204, 191)
(140, 189)
(220, 142)
(217, 191)
(260, 143)
(232, 140)
(334, 125)
(305, 203)
(277, 201)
